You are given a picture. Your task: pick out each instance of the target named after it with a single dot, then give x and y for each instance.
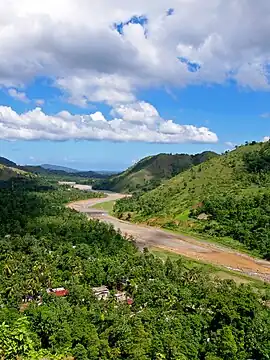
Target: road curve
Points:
(146, 236)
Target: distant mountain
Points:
(10, 168)
(59, 168)
(108, 172)
(149, 172)
(7, 162)
(83, 173)
(91, 174)
(40, 170)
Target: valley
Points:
(146, 236)
(61, 242)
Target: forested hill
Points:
(7, 173)
(230, 192)
(53, 263)
(149, 172)
(7, 162)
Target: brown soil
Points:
(146, 236)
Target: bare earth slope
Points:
(185, 245)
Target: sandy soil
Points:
(146, 236)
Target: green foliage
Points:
(15, 340)
(178, 312)
(149, 172)
(245, 218)
(233, 189)
(258, 161)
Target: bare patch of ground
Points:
(146, 236)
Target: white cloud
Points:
(75, 44)
(230, 144)
(18, 95)
(266, 138)
(96, 88)
(137, 113)
(265, 115)
(36, 124)
(39, 102)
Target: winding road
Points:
(146, 236)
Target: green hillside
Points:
(229, 193)
(74, 288)
(149, 172)
(7, 162)
(6, 173)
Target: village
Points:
(100, 293)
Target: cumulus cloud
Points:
(81, 89)
(266, 138)
(149, 127)
(79, 45)
(18, 95)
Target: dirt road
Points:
(146, 236)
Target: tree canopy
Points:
(177, 313)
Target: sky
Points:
(100, 84)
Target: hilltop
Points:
(7, 173)
(149, 172)
(7, 162)
(9, 170)
(230, 195)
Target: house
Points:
(101, 293)
(60, 292)
(129, 301)
(122, 297)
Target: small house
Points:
(122, 297)
(101, 293)
(60, 292)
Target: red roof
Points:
(58, 292)
(129, 301)
(61, 293)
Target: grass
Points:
(106, 206)
(212, 270)
(151, 171)
(184, 216)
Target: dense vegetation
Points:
(177, 313)
(6, 162)
(230, 191)
(149, 172)
(7, 173)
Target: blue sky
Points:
(233, 114)
(136, 81)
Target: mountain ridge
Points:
(224, 196)
(59, 167)
(58, 170)
(150, 171)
